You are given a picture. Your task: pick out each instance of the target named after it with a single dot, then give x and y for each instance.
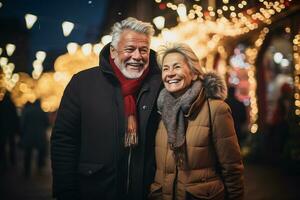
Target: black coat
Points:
(89, 160)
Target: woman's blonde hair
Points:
(183, 49)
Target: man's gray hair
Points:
(183, 49)
(130, 24)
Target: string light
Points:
(86, 49)
(30, 20)
(10, 49)
(251, 54)
(72, 47)
(97, 48)
(181, 10)
(40, 55)
(296, 48)
(3, 61)
(67, 28)
(106, 39)
(205, 32)
(159, 22)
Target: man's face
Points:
(132, 53)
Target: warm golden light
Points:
(181, 11)
(72, 47)
(15, 78)
(11, 67)
(86, 48)
(254, 128)
(106, 39)
(10, 49)
(207, 30)
(30, 19)
(3, 61)
(41, 55)
(67, 28)
(36, 74)
(37, 64)
(97, 48)
(225, 8)
(159, 22)
(296, 48)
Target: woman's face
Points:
(176, 74)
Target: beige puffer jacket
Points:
(202, 180)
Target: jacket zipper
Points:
(128, 170)
(175, 183)
(116, 130)
(130, 152)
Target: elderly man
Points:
(103, 139)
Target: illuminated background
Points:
(254, 44)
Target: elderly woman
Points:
(196, 147)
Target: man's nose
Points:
(137, 55)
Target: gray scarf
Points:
(172, 111)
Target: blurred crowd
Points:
(23, 129)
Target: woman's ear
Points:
(195, 76)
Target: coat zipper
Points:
(128, 170)
(130, 149)
(175, 183)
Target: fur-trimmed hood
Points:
(214, 85)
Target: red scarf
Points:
(129, 87)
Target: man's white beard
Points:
(127, 74)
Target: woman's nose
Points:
(170, 72)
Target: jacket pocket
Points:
(88, 169)
(93, 181)
(212, 190)
(155, 192)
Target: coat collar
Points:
(213, 87)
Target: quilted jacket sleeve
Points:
(228, 151)
(65, 144)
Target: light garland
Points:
(251, 55)
(205, 30)
(296, 48)
(243, 20)
(8, 78)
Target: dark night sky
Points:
(46, 34)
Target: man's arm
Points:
(65, 144)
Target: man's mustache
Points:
(135, 63)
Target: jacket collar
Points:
(213, 87)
